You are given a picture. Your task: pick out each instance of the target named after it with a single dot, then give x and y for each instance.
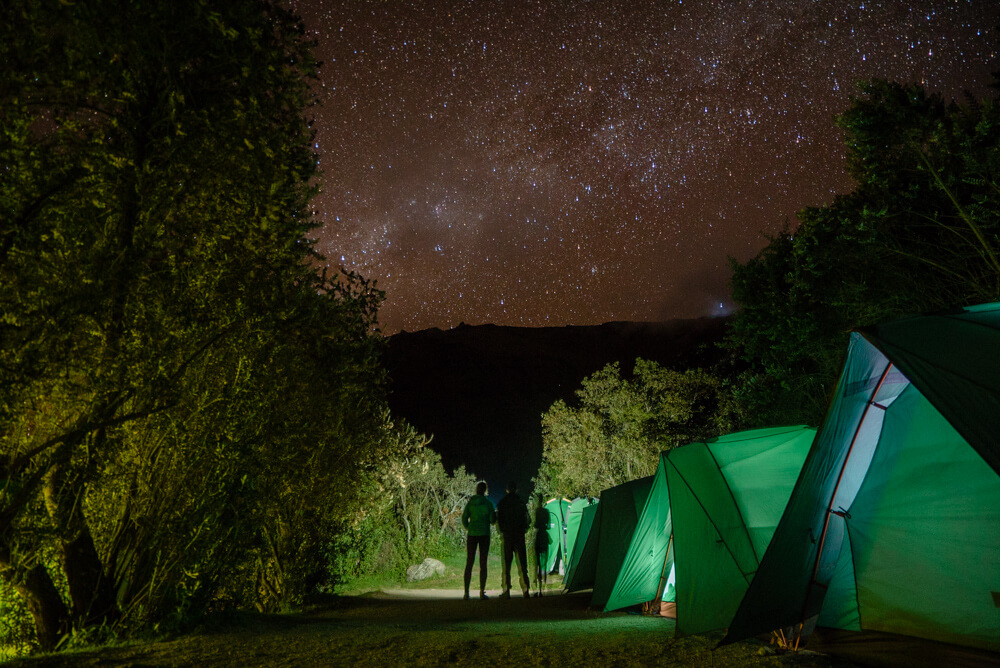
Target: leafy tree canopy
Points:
(618, 426)
(186, 406)
(918, 233)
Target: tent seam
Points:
(707, 514)
(739, 513)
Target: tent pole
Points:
(664, 573)
(840, 477)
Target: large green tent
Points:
(620, 508)
(582, 566)
(894, 524)
(645, 561)
(719, 501)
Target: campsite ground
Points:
(430, 627)
(428, 624)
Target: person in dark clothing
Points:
(541, 544)
(477, 517)
(512, 520)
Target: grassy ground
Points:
(428, 624)
(436, 627)
(454, 577)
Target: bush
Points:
(373, 546)
(414, 513)
(17, 630)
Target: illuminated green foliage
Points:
(416, 512)
(187, 406)
(619, 426)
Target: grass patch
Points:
(453, 578)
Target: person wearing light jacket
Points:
(477, 518)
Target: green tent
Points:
(720, 501)
(620, 508)
(556, 527)
(563, 525)
(727, 496)
(894, 524)
(574, 517)
(645, 561)
(582, 565)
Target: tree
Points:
(416, 512)
(428, 501)
(183, 395)
(918, 233)
(620, 426)
(932, 171)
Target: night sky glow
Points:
(579, 162)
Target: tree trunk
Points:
(91, 592)
(42, 598)
(45, 605)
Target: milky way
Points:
(578, 162)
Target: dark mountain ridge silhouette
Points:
(480, 390)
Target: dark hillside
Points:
(480, 391)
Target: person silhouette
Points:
(512, 520)
(477, 517)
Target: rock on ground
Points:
(424, 570)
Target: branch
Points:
(987, 251)
(29, 211)
(22, 498)
(76, 435)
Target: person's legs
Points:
(484, 551)
(470, 557)
(522, 564)
(508, 554)
(541, 559)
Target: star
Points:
(545, 164)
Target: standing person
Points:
(541, 543)
(477, 518)
(512, 520)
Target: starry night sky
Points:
(579, 162)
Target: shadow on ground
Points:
(436, 627)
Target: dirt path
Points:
(433, 627)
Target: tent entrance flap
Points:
(668, 564)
